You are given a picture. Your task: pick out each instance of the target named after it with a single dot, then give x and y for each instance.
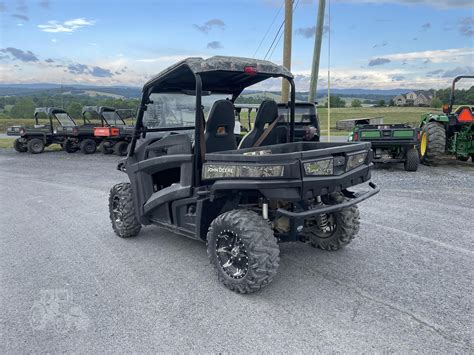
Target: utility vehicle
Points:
(187, 175)
(391, 143)
(448, 132)
(81, 137)
(48, 120)
(114, 133)
(306, 120)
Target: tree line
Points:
(24, 106)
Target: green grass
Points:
(6, 122)
(8, 143)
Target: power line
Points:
(274, 39)
(281, 35)
(278, 42)
(278, 35)
(268, 29)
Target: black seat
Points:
(266, 114)
(220, 127)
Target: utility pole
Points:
(285, 89)
(317, 52)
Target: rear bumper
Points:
(358, 197)
(394, 143)
(294, 190)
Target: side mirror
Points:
(445, 108)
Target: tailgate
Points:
(14, 130)
(402, 135)
(106, 131)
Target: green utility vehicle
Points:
(447, 132)
(394, 143)
(48, 120)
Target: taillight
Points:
(250, 71)
(356, 136)
(418, 136)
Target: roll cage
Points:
(453, 87)
(50, 113)
(99, 111)
(219, 74)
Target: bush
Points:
(436, 103)
(23, 108)
(336, 101)
(356, 103)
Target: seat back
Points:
(219, 135)
(266, 114)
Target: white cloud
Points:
(167, 59)
(434, 56)
(66, 26)
(444, 4)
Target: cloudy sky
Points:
(374, 43)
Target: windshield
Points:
(92, 119)
(303, 113)
(169, 110)
(64, 119)
(112, 118)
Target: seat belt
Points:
(266, 132)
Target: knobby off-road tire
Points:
(246, 241)
(436, 143)
(105, 147)
(345, 226)
(69, 146)
(88, 146)
(412, 160)
(19, 146)
(35, 146)
(122, 211)
(121, 148)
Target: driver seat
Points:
(219, 135)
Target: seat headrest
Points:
(222, 114)
(267, 113)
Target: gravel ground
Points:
(68, 284)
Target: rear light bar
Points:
(250, 70)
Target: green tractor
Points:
(448, 132)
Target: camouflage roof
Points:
(49, 110)
(226, 68)
(98, 109)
